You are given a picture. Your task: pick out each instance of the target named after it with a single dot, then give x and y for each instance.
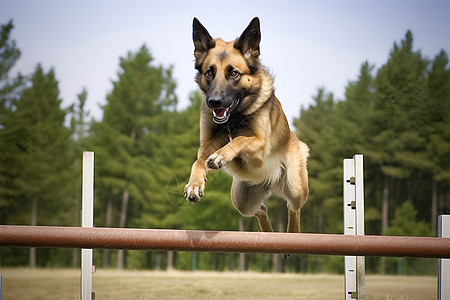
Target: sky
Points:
(305, 44)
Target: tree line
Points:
(397, 115)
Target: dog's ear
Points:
(202, 40)
(248, 42)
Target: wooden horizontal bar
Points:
(223, 241)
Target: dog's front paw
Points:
(193, 192)
(215, 161)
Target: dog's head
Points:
(227, 70)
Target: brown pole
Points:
(222, 241)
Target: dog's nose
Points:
(214, 102)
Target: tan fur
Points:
(264, 156)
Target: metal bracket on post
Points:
(354, 225)
(87, 221)
(444, 264)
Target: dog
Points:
(243, 129)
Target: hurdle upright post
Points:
(353, 185)
(87, 221)
(443, 263)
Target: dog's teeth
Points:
(220, 113)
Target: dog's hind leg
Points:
(293, 221)
(249, 201)
(296, 190)
(295, 200)
(263, 219)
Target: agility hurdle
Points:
(223, 241)
(89, 238)
(87, 221)
(444, 264)
(353, 201)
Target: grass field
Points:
(23, 284)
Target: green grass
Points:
(26, 284)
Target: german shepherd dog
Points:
(243, 129)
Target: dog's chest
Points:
(267, 174)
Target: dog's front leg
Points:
(195, 188)
(249, 148)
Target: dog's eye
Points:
(209, 74)
(234, 74)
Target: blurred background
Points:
(116, 77)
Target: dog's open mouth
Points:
(221, 115)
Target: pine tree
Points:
(400, 94)
(9, 88)
(438, 142)
(41, 145)
(9, 54)
(397, 125)
(79, 123)
(127, 138)
(397, 128)
(353, 113)
(405, 222)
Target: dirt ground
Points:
(24, 284)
